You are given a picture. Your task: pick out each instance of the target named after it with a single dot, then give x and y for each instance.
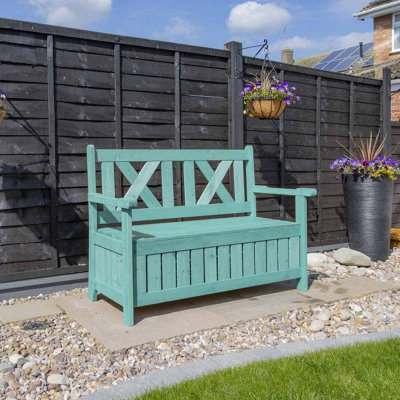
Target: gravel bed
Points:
(63, 361)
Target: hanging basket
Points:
(2, 114)
(266, 108)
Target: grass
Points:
(363, 371)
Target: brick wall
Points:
(383, 39)
(396, 106)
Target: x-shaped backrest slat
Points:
(139, 181)
(214, 182)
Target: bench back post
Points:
(250, 180)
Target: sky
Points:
(308, 26)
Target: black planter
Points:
(369, 214)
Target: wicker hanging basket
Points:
(2, 114)
(266, 108)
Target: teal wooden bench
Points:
(137, 264)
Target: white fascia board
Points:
(385, 9)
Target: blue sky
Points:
(312, 26)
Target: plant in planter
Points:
(266, 97)
(2, 109)
(368, 177)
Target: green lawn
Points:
(364, 371)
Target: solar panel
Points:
(369, 62)
(331, 56)
(340, 60)
(367, 47)
(348, 52)
(346, 63)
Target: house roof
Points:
(311, 60)
(376, 3)
(342, 60)
(377, 8)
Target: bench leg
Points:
(301, 218)
(92, 292)
(302, 283)
(129, 315)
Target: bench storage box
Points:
(137, 263)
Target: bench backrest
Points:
(240, 162)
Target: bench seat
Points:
(214, 226)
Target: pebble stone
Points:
(317, 325)
(64, 361)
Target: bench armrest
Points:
(112, 201)
(307, 192)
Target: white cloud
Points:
(296, 42)
(177, 28)
(252, 17)
(75, 13)
(351, 39)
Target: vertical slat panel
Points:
(197, 266)
(141, 274)
(386, 109)
(250, 180)
(260, 251)
(118, 110)
(294, 252)
(283, 254)
(178, 129)
(210, 264)
(190, 189)
(119, 274)
(248, 259)
(93, 215)
(223, 263)
(53, 148)
(238, 180)
(167, 184)
(183, 268)
(236, 261)
(272, 256)
(108, 182)
(282, 156)
(108, 179)
(168, 271)
(319, 162)
(154, 272)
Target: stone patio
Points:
(103, 319)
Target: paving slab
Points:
(344, 288)
(28, 310)
(103, 319)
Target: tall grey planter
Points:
(369, 214)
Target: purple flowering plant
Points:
(366, 160)
(268, 86)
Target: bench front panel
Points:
(188, 273)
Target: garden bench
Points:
(137, 264)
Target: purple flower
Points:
(287, 101)
(258, 84)
(241, 93)
(248, 87)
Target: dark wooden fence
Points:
(67, 88)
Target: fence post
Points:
(235, 106)
(51, 114)
(386, 116)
